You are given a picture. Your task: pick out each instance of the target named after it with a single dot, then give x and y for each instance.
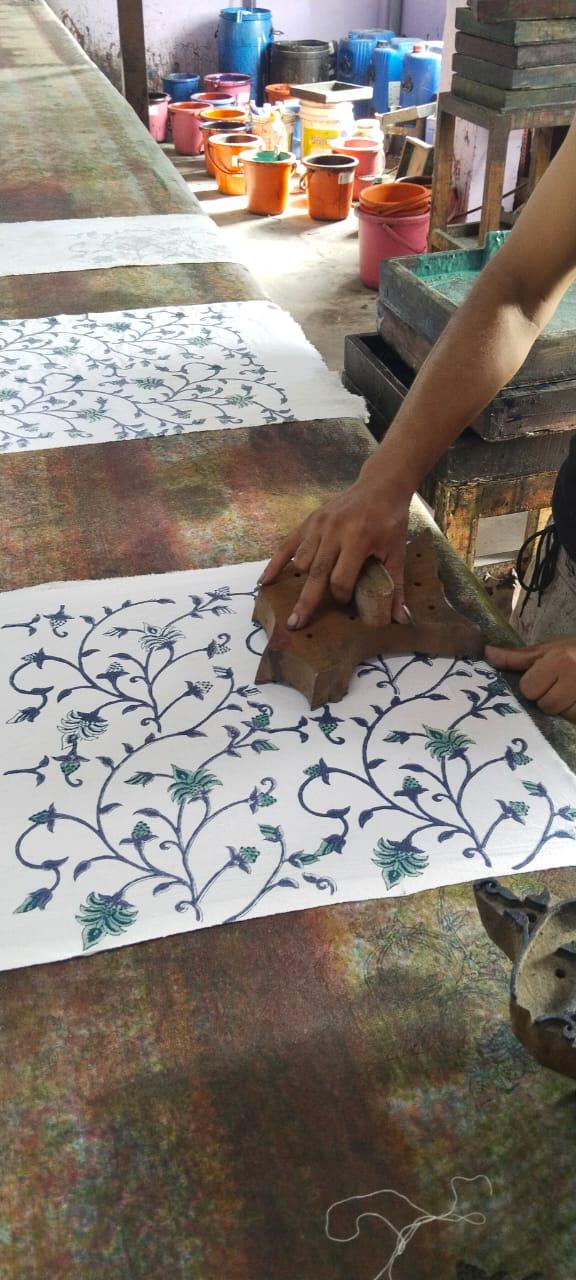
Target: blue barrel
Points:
(244, 36)
(181, 86)
(420, 78)
(388, 69)
(371, 33)
(354, 64)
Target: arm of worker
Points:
(483, 346)
(549, 677)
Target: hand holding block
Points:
(320, 658)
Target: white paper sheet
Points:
(70, 380)
(148, 787)
(85, 244)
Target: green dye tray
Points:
(426, 290)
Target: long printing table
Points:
(190, 1107)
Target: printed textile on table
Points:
(86, 379)
(150, 787)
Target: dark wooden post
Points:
(133, 55)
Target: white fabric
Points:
(163, 371)
(84, 244)
(148, 787)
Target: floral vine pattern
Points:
(81, 244)
(150, 787)
(131, 374)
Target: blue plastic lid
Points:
(245, 15)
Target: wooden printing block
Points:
(539, 936)
(320, 659)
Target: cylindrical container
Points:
(368, 155)
(322, 122)
(225, 150)
(300, 61)
(280, 93)
(420, 77)
(354, 64)
(186, 121)
(330, 183)
(243, 39)
(219, 120)
(368, 127)
(237, 87)
(158, 115)
(381, 238)
(268, 176)
(371, 33)
(213, 99)
(180, 85)
(395, 199)
(388, 67)
(293, 127)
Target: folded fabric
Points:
(85, 244)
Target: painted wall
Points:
(423, 18)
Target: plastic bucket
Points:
(158, 115)
(368, 155)
(213, 99)
(244, 36)
(234, 85)
(329, 180)
(393, 198)
(322, 123)
(301, 61)
(186, 123)
(179, 85)
(382, 237)
(209, 128)
(268, 176)
(280, 93)
(225, 151)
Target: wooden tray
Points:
(487, 95)
(426, 290)
(327, 91)
(517, 55)
(500, 77)
(517, 31)
(504, 10)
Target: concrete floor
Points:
(311, 269)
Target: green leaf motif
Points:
(412, 787)
(35, 901)
(568, 812)
(149, 384)
(446, 744)
(324, 848)
(534, 788)
(249, 854)
(140, 779)
(92, 415)
(189, 786)
(7, 394)
(103, 916)
(45, 818)
(141, 833)
(272, 834)
(397, 735)
(262, 744)
(398, 859)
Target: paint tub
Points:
(213, 99)
(394, 198)
(280, 93)
(383, 237)
(367, 127)
(179, 85)
(238, 87)
(186, 121)
(210, 126)
(368, 155)
(244, 36)
(329, 180)
(322, 122)
(268, 176)
(225, 150)
(158, 115)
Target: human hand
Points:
(550, 673)
(331, 545)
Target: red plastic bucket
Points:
(381, 237)
(237, 85)
(368, 154)
(186, 120)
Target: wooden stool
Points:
(499, 124)
(475, 478)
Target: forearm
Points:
(481, 349)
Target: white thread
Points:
(407, 1233)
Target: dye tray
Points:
(328, 91)
(425, 291)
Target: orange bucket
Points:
(268, 176)
(395, 199)
(329, 180)
(280, 93)
(219, 120)
(225, 151)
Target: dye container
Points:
(420, 77)
(244, 36)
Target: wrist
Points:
(390, 474)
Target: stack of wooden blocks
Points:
(516, 53)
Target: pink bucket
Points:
(382, 238)
(238, 86)
(158, 115)
(187, 127)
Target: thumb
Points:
(512, 659)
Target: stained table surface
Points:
(191, 1107)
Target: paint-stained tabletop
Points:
(191, 1107)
